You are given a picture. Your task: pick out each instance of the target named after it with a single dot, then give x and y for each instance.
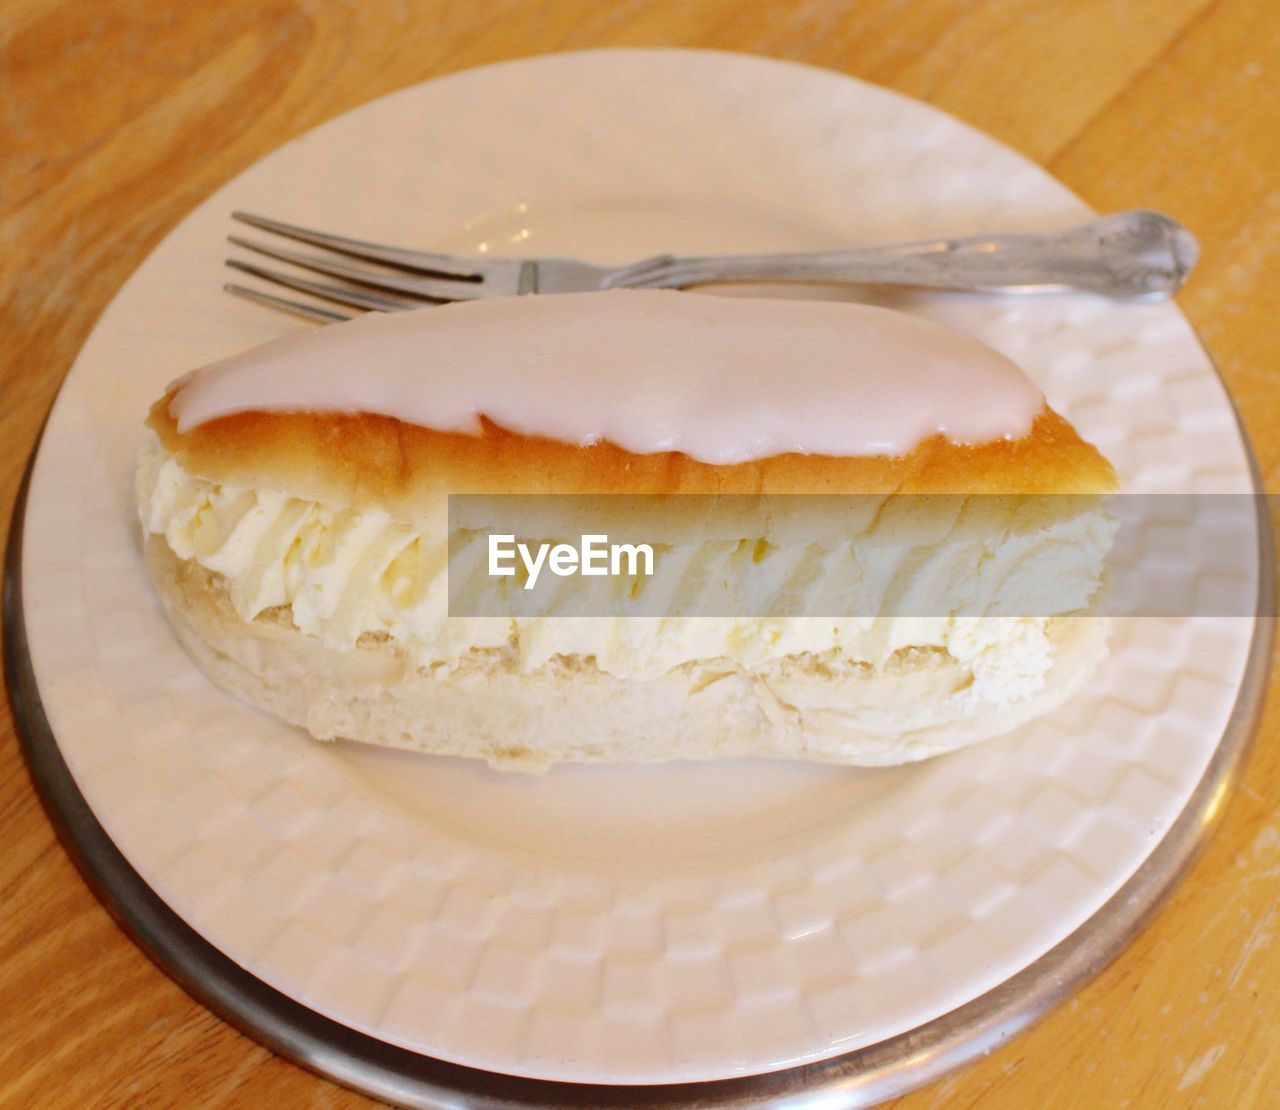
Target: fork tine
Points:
(424, 262)
(352, 298)
(296, 308)
(412, 285)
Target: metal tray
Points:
(862, 1078)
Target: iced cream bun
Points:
(295, 500)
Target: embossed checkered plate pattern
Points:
(624, 924)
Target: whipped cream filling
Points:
(343, 574)
(721, 379)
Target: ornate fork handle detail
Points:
(1139, 255)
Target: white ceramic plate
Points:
(625, 924)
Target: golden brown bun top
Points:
(363, 460)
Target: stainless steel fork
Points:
(1136, 255)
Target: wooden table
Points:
(117, 116)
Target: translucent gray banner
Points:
(854, 556)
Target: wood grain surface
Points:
(118, 116)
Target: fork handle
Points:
(1138, 255)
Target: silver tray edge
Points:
(861, 1078)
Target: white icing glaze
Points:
(722, 379)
